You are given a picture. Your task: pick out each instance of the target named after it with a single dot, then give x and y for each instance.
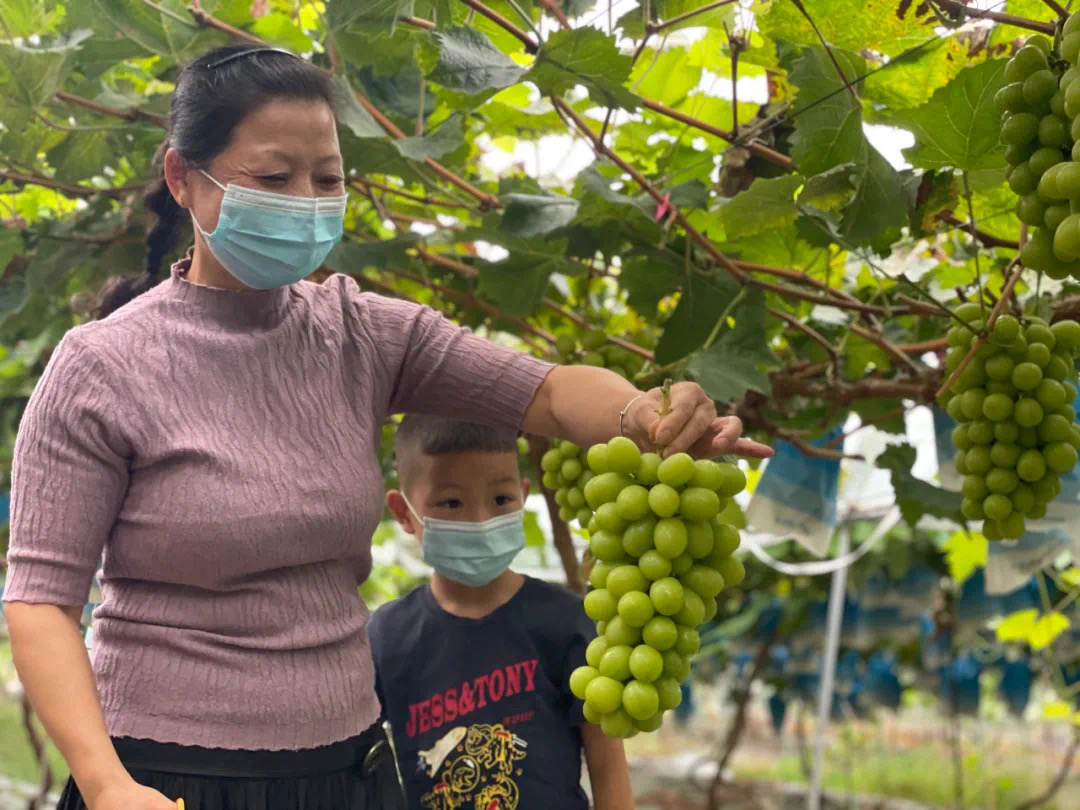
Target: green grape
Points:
(699, 503)
(648, 469)
(600, 605)
(615, 663)
(1019, 129)
(636, 608)
(581, 677)
(637, 540)
(667, 596)
(623, 456)
(599, 573)
(626, 579)
(646, 663)
(654, 565)
(660, 633)
(1003, 454)
(604, 693)
(608, 518)
(640, 700)
(664, 500)
(732, 571)
(1022, 180)
(699, 539)
(677, 470)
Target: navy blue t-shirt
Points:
(481, 709)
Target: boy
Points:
(473, 669)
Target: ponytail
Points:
(160, 240)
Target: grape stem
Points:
(978, 343)
(665, 406)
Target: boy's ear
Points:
(526, 488)
(395, 502)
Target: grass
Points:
(16, 756)
(924, 774)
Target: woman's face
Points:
(287, 147)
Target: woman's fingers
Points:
(698, 426)
(685, 400)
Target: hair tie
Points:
(249, 52)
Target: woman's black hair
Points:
(213, 94)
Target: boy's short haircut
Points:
(421, 434)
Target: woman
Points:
(216, 438)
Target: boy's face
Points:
(470, 487)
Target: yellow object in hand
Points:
(179, 804)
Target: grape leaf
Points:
(446, 138)
(702, 302)
(854, 25)
(465, 60)
(588, 57)
(399, 93)
(1047, 629)
(35, 73)
(352, 258)
(914, 496)
(1017, 626)
(965, 553)
(766, 205)
(666, 77)
(79, 156)
(537, 214)
(958, 126)
(279, 29)
(731, 365)
(517, 283)
(912, 79)
(136, 21)
(829, 133)
(646, 283)
(351, 114)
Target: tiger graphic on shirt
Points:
(476, 768)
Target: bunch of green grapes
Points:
(564, 472)
(1040, 127)
(663, 553)
(1017, 433)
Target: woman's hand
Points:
(690, 426)
(130, 795)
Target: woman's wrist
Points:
(98, 778)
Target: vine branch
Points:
(653, 28)
(67, 188)
(997, 16)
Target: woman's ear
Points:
(395, 502)
(526, 488)
(176, 178)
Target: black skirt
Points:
(356, 774)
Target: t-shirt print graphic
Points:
(476, 769)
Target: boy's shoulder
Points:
(395, 611)
(551, 596)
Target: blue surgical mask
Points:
(472, 553)
(269, 240)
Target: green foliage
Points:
(473, 210)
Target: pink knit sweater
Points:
(219, 448)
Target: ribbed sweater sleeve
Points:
(68, 480)
(431, 365)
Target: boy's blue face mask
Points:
(269, 240)
(472, 553)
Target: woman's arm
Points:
(609, 774)
(54, 668)
(583, 403)
(68, 480)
